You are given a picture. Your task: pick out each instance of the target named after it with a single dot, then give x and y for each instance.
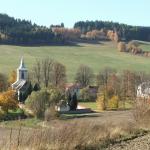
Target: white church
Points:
(22, 84)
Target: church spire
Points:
(22, 65)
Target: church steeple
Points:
(22, 65)
(22, 71)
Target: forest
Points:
(125, 32)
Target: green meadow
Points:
(97, 56)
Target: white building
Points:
(21, 85)
(143, 90)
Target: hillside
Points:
(97, 56)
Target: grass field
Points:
(93, 105)
(97, 56)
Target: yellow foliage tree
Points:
(113, 102)
(101, 104)
(7, 100)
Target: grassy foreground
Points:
(97, 56)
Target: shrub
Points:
(113, 102)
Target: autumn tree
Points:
(101, 100)
(8, 100)
(84, 76)
(121, 46)
(113, 103)
(96, 35)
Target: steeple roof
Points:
(22, 65)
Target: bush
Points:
(113, 102)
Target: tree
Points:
(8, 101)
(101, 101)
(42, 100)
(47, 67)
(38, 102)
(58, 75)
(55, 95)
(103, 76)
(36, 71)
(36, 87)
(84, 76)
(73, 102)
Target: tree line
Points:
(17, 31)
(124, 31)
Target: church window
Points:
(22, 75)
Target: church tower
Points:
(22, 72)
(22, 84)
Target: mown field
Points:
(97, 56)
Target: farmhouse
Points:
(22, 85)
(143, 90)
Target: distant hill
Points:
(23, 32)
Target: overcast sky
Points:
(47, 12)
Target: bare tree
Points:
(37, 71)
(103, 76)
(47, 67)
(58, 74)
(84, 75)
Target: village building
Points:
(22, 85)
(143, 90)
